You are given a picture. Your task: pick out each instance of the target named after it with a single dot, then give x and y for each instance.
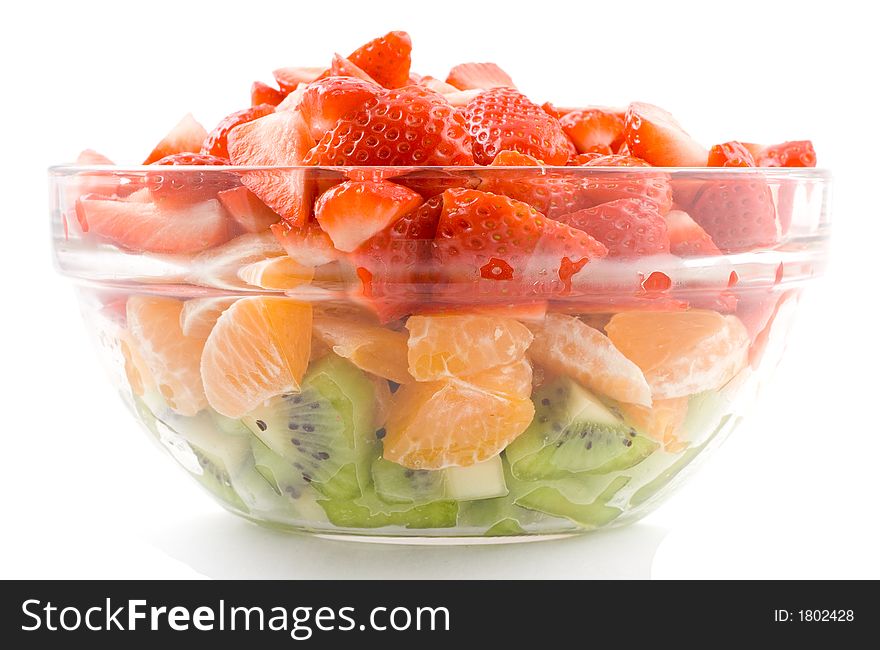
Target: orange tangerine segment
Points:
(276, 273)
(458, 345)
(375, 349)
(660, 422)
(199, 314)
(433, 425)
(681, 353)
(567, 346)
(512, 380)
(136, 371)
(258, 349)
(171, 356)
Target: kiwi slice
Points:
(325, 432)
(366, 512)
(594, 514)
(397, 484)
(573, 432)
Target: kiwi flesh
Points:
(368, 512)
(397, 484)
(573, 432)
(325, 432)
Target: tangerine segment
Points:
(444, 424)
(512, 380)
(375, 349)
(171, 356)
(681, 353)
(276, 273)
(660, 422)
(566, 345)
(258, 349)
(455, 345)
(200, 314)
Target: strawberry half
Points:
(502, 118)
(686, 238)
(189, 185)
(797, 153)
(410, 126)
(653, 135)
(247, 210)
(324, 102)
(482, 76)
(265, 94)
(307, 245)
(627, 227)
(215, 142)
(187, 136)
(594, 127)
(386, 59)
(738, 214)
(289, 79)
(279, 139)
(730, 154)
(354, 211)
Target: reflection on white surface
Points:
(221, 546)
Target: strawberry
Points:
(409, 126)
(190, 185)
(653, 135)
(468, 76)
(386, 59)
(617, 160)
(593, 127)
(582, 159)
(730, 154)
(498, 245)
(279, 139)
(307, 245)
(215, 142)
(265, 94)
(289, 79)
(653, 185)
(251, 214)
(686, 238)
(324, 102)
(627, 227)
(354, 211)
(502, 118)
(141, 225)
(798, 153)
(186, 137)
(738, 214)
(431, 182)
(342, 67)
(437, 86)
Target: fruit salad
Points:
(377, 302)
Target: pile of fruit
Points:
(409, 322)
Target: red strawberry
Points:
(798, 153)
(738, 214)
(686, 238)
(410, 126)
(593, 127)
(342, 67)
(265, 94)
(468, 76)
(386, 59)
(215, 142)
(189, 185)
(279, 139)
(354, 211)
(324, 102)
(498, 245)
(251, 214)
(627, 227)
(141, 225)
(582, 159)
(653, 135)
(502, 118)
(186, 137)
(617, 160)
(431, 182)
(289, 78)
(730, 154)
(307, 245)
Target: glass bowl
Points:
(444, 360)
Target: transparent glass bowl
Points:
(542, 443)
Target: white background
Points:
(794, 493)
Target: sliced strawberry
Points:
(582, 159)
(738, 214)
(307, 245)
(650, 185)
(342, 67)
(653, 135)
(279, 139)
(627, 227)
(467, 76)
(437, 86)
(407, 127)
(265, 94)
(797, 153)
(592, 128)
(324, 102)
(289, 78)
(502, 118)
(145, 226)
(247, 210)
(354, 211)
(187, 136)
(189, 185)
(686, 238)
(730, 154)
(431, 182)
(215, 142)
(386, 59)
